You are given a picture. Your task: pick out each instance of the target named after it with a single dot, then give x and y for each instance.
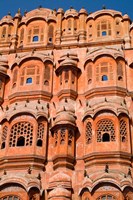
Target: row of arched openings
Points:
(21, 134)
(105, 130)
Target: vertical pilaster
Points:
(60, 13)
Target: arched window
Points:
(35, 38)
(103, 28)
(47, 74)
(40, 134)
(21, 134)
(75, 25)
(120, 71)
(62, 136)
(123, 130)
(22, 34)
(28, 80)
(39, 143)
(4, 136)
(21, 141)
(30, 74)
(104, 33)
(3, 35)
(88, 133)
(69, 25)
(14, 81)
(106, 197)
(105, 130)
(89, 74)
(106, 137)
(104, 71)
(104, 78)
(50, 34)
(70, 137)
(35, 34)
(66, 76)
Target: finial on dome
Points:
(25, 12)
(19, 11)
(9, 13)
(103, 7)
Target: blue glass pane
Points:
(104, 33)
(35, 38)
(104, 78)
(29, 80)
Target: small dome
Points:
(65, 117)
(7, 18)
(59, 192)
(126, 17)
(60, 177)
(83, 11)
(69, 61)
(71, 12)
(60, 10)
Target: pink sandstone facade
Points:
(66, 105)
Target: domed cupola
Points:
(60, 186)
(71, 12)
(60, 179)
(59, 193)
(3, 75)
(63, 131)
(7, 19)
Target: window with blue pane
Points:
(104, 78)
(28, 80)
(104, 33)
(35, 39)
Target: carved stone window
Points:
(40, 134)
(88, 133)
(47, 74)
(66, 76)
(56, 138)
(50, 34)
(106, 197)
(69, 25)
(30, 74)
(21, 134)
(22, 35)
(62, 136)
(4, 136)
(105, 131)
(89, 74)
(120, 71)
(15, 75)
(104, 71)
(103, 28)
(123, 130)
(70, 137)
(3, 34)
(35, 34)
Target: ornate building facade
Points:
(66, 105)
